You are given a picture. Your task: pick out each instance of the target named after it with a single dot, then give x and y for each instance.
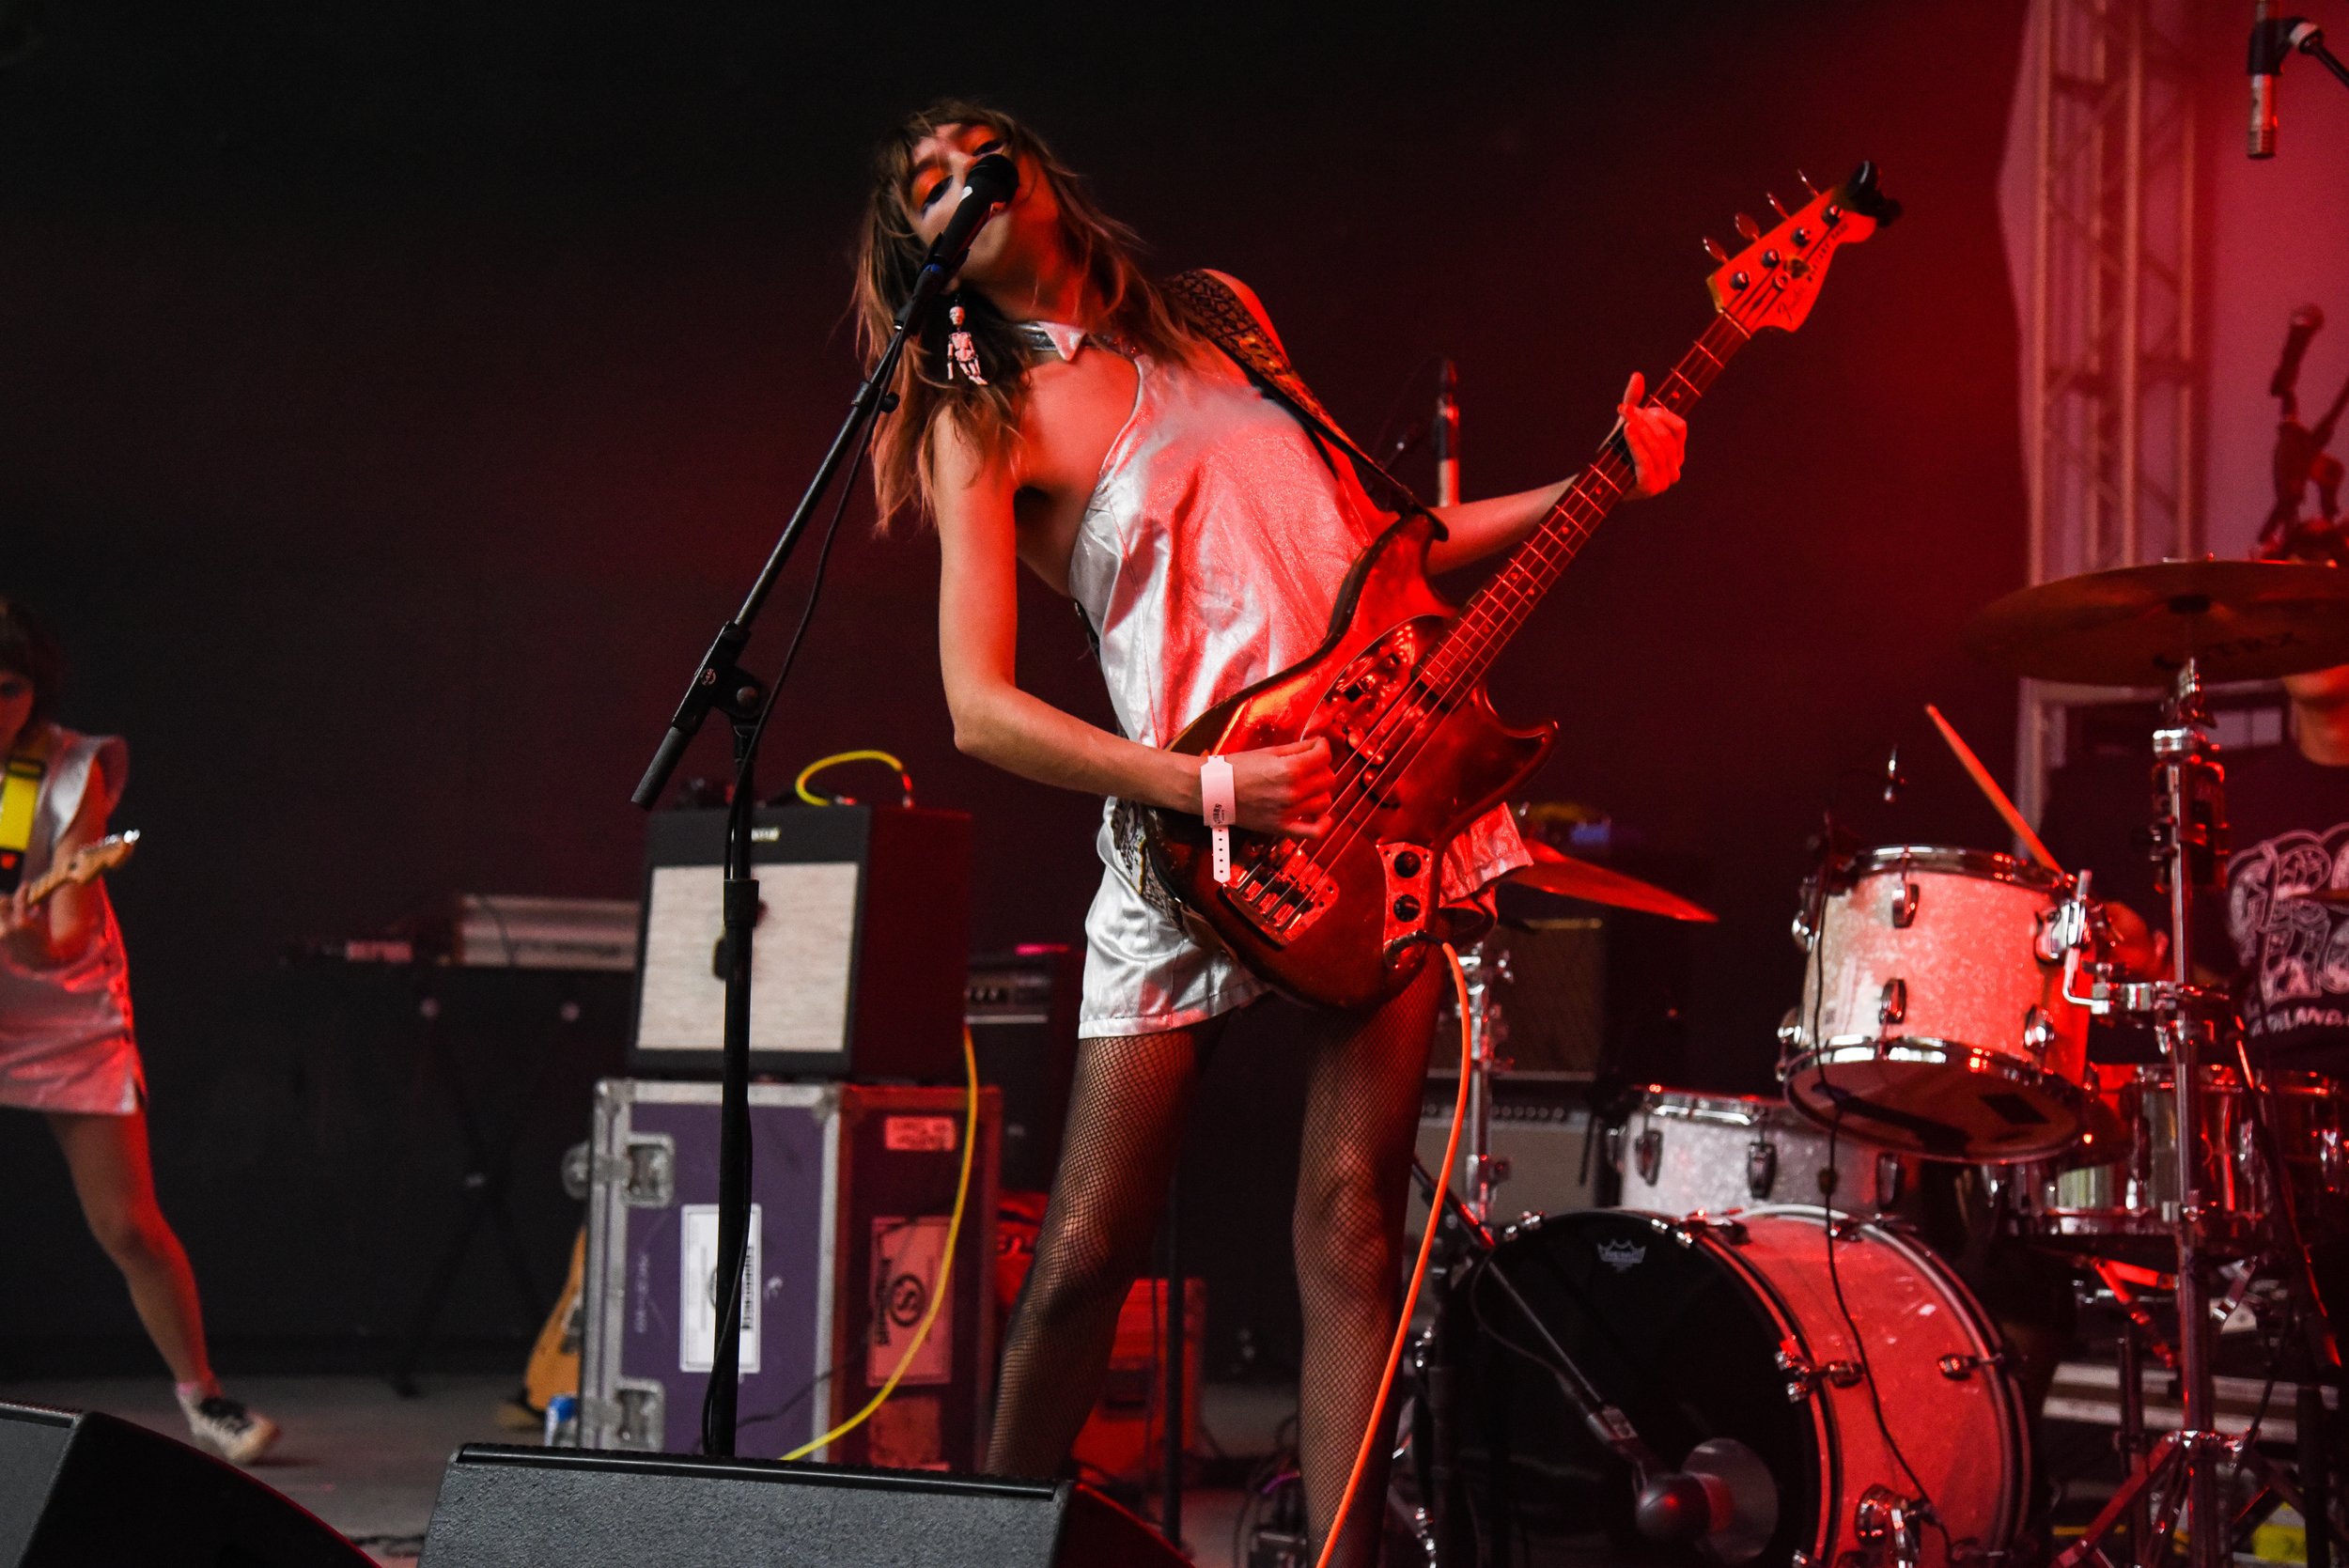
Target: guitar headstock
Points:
(1774, 280)
(93, 860)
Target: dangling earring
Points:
(961, 353)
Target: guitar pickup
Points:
(1281, 895)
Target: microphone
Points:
(2266, 58)
(1723, 1499)
(1448, 435)
(987, 189)
(2305, 321)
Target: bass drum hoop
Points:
(1961, 1299)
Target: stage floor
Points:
(369, 1462)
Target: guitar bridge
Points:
(1283, 893)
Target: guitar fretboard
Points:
(1498, 609)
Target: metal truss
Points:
(2111, 374)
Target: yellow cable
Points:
(945, 1266)
(905, 780)
(1419, 1271)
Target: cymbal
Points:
(2241, 620)
(1553, 872)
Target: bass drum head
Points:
(1670, 1335)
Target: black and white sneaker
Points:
(229, 1429)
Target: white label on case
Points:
(697, 1276)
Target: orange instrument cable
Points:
(1419, 1271)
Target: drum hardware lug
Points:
(2039, 1030)
(1790, 1033)
(1731, 1231)
(1760, 1166)
(1904, 911)
(1891, 1180)
(1887, 1525)
(1803, 1375)
(1957, 1368)
(1647, 1153)
(1892, 1006)
(1800, 1560)
(1805, 933)
(1614, 1146)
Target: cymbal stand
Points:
(1483, 967)
(2190, 846)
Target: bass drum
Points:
(1728, 1329)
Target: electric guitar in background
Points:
(1397, 688)
(83, 867)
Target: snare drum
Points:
(2118, 1194)
(1930, 1021)
(1684, 1154)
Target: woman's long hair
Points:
(888, 258)
(29, 649)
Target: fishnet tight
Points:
(1126, 1114)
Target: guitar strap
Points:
(20, 793)
(1226, 321)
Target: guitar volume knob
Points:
(1407, 863)
(1407, 907)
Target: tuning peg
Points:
(1713, 249)
(1808, 188)
(1776, 206)
(1747, 228)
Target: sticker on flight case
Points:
(920, 1134)
(906, 1257)
(697, 1276)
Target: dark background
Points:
(397, 399)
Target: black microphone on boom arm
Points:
(989, 186)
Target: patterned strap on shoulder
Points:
(1231, 326)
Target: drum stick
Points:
(1991, 792)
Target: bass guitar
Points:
(1397, 688)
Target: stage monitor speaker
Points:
(524, 1508)
(83, 1490)
(858, 962)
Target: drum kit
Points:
(1753, 1360)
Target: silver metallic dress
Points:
(1210, 556)
(66, 1042)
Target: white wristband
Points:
(1218, 803)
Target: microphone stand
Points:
(721, 685)
(2275, 38)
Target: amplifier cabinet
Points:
(858, 962)
(1022, 1009)
(1542, 1125)
(853, 1187)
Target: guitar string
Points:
(1515, 615)
(1490, 619)
(1412, 709)
(1506, 604)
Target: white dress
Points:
(66, 1042)
(1210, 557)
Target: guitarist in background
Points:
(1070, 415)
(67, 1050)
